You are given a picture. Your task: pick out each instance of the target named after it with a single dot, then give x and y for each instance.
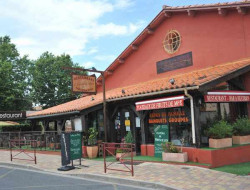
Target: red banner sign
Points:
(227, 96)
(160, 103)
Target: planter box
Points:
(241, 139)
(175, 157)
(123, 155)
(220, 143)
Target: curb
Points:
(100, 178)
(121, 181)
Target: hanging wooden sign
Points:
(83, 83)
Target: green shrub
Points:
(120, 150)
(15, 128)
(92, 136)
(169, 147)
(129, 138)
(242, 126)
(220, 130)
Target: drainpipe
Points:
(192, 114)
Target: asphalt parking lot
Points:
(13, 178)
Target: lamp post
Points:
(93, 70)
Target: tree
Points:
(51, 84)
(15, 77)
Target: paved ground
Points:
(33, 180)
(179, 177)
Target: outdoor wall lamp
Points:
(172, 81)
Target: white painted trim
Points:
(229, 93)
(160, 100)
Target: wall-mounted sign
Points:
(170, 102)
(84, 84)
(12, 115)
(173, 63)
(227, 96)
(127, 122)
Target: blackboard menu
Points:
(71, 147)
(75, 146)
(161, 136)
(65, 149)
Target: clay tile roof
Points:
(201, 6)
(191, 79)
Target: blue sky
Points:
(93, 32)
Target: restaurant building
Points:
(190, 65)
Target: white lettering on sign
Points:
(160, 105)
(227, 98)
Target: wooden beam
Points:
(237, 83)
(241, 10)
(191, 13)
(99, 83)
(222, 12)
(150, 31)
(228, 77)
(114, 112)
(109, 72)
(132, 107)
(121, 60)
(134, 47)
(167, 14)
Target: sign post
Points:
(161, 136)
(87, 86)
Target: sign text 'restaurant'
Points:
(227, 98)
(9, 116)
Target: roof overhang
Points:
(53, 115)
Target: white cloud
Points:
(106, 58)
(88, 64)
(123, 3)
(24, 41)
(62, 26)
(92, 50)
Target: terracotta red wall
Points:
(222, 157)
(230, 156)
(213, 39)
(215, 158)
(246, 78)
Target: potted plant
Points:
(92, 148)
(84, 146)
(220, 135)
(172, 153)
(122, 153)
(241, 131)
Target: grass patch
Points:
(108, 159)
(159, 159)
(145, 159)
(238, 169)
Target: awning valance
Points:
(227, 96)
(169, 102)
